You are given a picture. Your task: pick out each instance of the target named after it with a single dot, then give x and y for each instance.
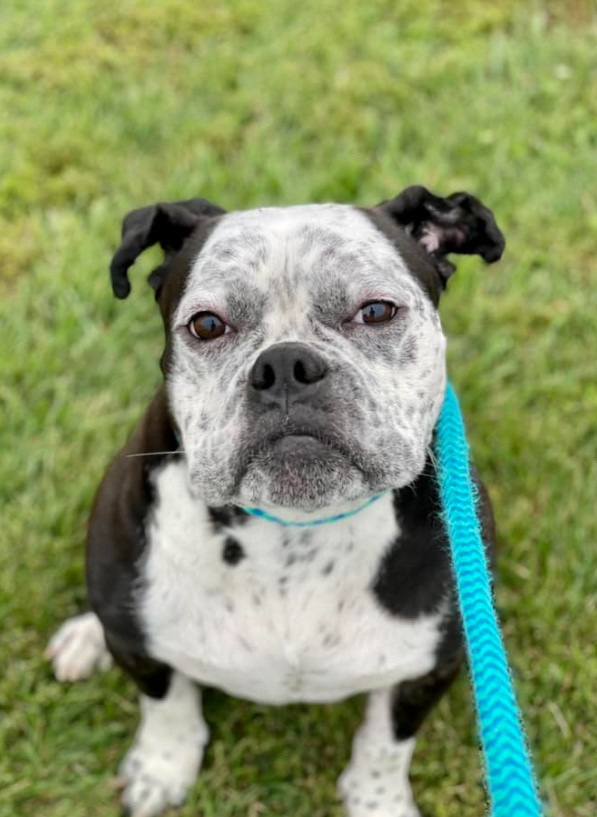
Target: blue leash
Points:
(510, 778)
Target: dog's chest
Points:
(272, 614)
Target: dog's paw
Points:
(156, 776)
(377, 790)
(373, 799)
(78, 648)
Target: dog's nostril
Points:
(307, 371)
(300, 373)
(265, 378)
(269, 377)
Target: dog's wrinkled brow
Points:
(327, 259)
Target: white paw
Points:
(158, 775)
(377, 785)
(165, 759)
(375, 796)
(78, 648)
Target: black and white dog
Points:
(304, 370)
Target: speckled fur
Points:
(292, 621)
(300, 274)
(376, 781)
(167, 753)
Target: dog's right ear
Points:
(168, 224)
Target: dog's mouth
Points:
(292, 443)
(301, 441)
(295, 465)
(298, 444)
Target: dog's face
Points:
(288, 291)
(305, 359)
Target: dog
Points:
(272, 527)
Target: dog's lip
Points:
(295, 435)
(296, 439)
(295, 432)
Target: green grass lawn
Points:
(108, 106)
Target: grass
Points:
(110, 106)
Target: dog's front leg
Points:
(166, 755)
(376, 782)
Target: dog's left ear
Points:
(459, 223)
(168, 224)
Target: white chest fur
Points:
(293, 620)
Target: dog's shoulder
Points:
(116, 531)
(415, 576)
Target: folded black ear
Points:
(459, 223)
(168, 224)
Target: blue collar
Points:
(261, 514)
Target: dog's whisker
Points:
(432, 457)
(156, 453)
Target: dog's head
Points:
(305, 359)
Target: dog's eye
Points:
(376, 312)
(207, 326)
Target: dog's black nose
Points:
(286, 373)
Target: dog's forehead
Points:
(323, 224)
(324, 245)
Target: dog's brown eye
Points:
(207, 326)
(376, 312)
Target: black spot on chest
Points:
(328, 568)
(232, 552)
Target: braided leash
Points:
(510, 778)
